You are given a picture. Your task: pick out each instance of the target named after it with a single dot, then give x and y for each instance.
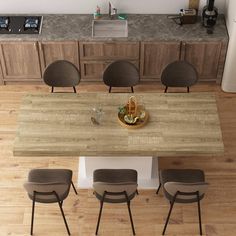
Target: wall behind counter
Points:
(88, 6)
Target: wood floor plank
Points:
(149, 210)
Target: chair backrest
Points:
(179, 74)
(115, 181)
(173, 187)
(121, 74)
(59, 188)
(61, 73)
(45, 181)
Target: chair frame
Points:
(166, 88)
(101, 207)
(172, 204)
(74, 89)
(60, 203)
(132, 89)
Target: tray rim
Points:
(133, 126)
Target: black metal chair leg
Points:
(166, 89)
(137, 192)
(32, 216)
(74, 187)
(109, 89)
(52, 89)
(158, 188)
(132, 89)
(99, 217)
(168, 217)
(188, 89)
(62, 213)
(74, 89)
(130, 216)
(199, 213)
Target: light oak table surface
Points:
(60, 124)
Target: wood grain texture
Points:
(93, 70)
(109, 50)
(155, 56)
(20, 61)
(52, 51)
(95, 56)
(60, 125)
(149, 210)
(1, 75)
(205, 57)
(194, 4)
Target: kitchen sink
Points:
(110, 28)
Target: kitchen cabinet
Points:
(95, 56)
(205, 57)
(51, 51)
(93, 70)
(25, 61)
(20, 61)
(1, 76)
(155, 56)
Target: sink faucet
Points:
(112, 11)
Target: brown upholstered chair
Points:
(61, 73)
(179, 74)
(115, 186)
(121, 74)
(183, 186)
(49, 186)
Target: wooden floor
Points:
(149, 210)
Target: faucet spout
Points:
(109, 13)
(112, 10)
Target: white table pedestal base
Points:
(147, 168)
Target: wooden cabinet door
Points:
(52, 51)
(204, 56)
(1, 75)
(155, 56)
(109, 50)
(20, 61)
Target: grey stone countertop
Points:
(141, 27)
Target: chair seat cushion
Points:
(184, 176)
(115, 181)
(129, 187)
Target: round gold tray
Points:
(140, 123)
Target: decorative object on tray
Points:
(132, 115)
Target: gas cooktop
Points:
(20, 24)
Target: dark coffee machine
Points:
(209, 16)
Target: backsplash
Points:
(88, 6)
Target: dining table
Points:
(62, 124)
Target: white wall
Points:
(88, 6)
(230, 13)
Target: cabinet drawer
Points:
(93, 70)
(109, 50)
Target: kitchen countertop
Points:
(142, 27)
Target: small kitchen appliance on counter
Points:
(186, 16)
(20, 24)
(209, 16)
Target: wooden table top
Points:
(60, 125)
